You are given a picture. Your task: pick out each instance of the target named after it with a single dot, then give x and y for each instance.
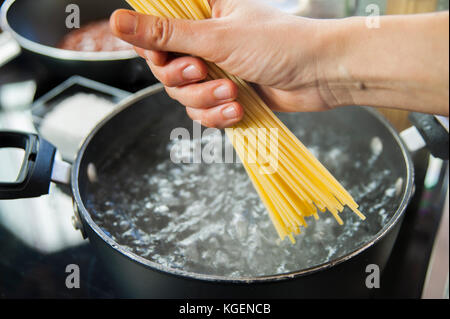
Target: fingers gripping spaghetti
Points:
(290, 181)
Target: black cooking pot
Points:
(151, 113)
(38, 26)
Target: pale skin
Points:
(296, 64)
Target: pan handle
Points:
(433, 132)
(37, 168)
(428, 131)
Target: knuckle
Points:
(160, 32)
(207, 119)
(165, 78)
(170, 92)
(199, 97)
(191, 114)
(174, 94)
(234, 88)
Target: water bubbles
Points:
(398, 186)
(208, 218)
(390, 192)
(124, 224)
(376, 146)
(161, 209)
(149, 205)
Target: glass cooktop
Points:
(39, 246)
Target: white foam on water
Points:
(208, 219)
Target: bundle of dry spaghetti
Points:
(291, 182)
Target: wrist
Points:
(337, 84)
(403, 64)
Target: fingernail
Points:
(191, 73)
(230, 113)
(222, 92)
(126, 23)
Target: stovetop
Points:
(38, 243)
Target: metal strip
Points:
(61, 172)
(436, 281)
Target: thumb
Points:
(163, 34)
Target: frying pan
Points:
(151, 114)
(38, 26)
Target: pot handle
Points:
(433, 132)
(36, 171)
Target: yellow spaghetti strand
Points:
(300, 186)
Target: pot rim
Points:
(85, 215)
(56, 53)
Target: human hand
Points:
(275, 51)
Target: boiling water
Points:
(208, 219)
